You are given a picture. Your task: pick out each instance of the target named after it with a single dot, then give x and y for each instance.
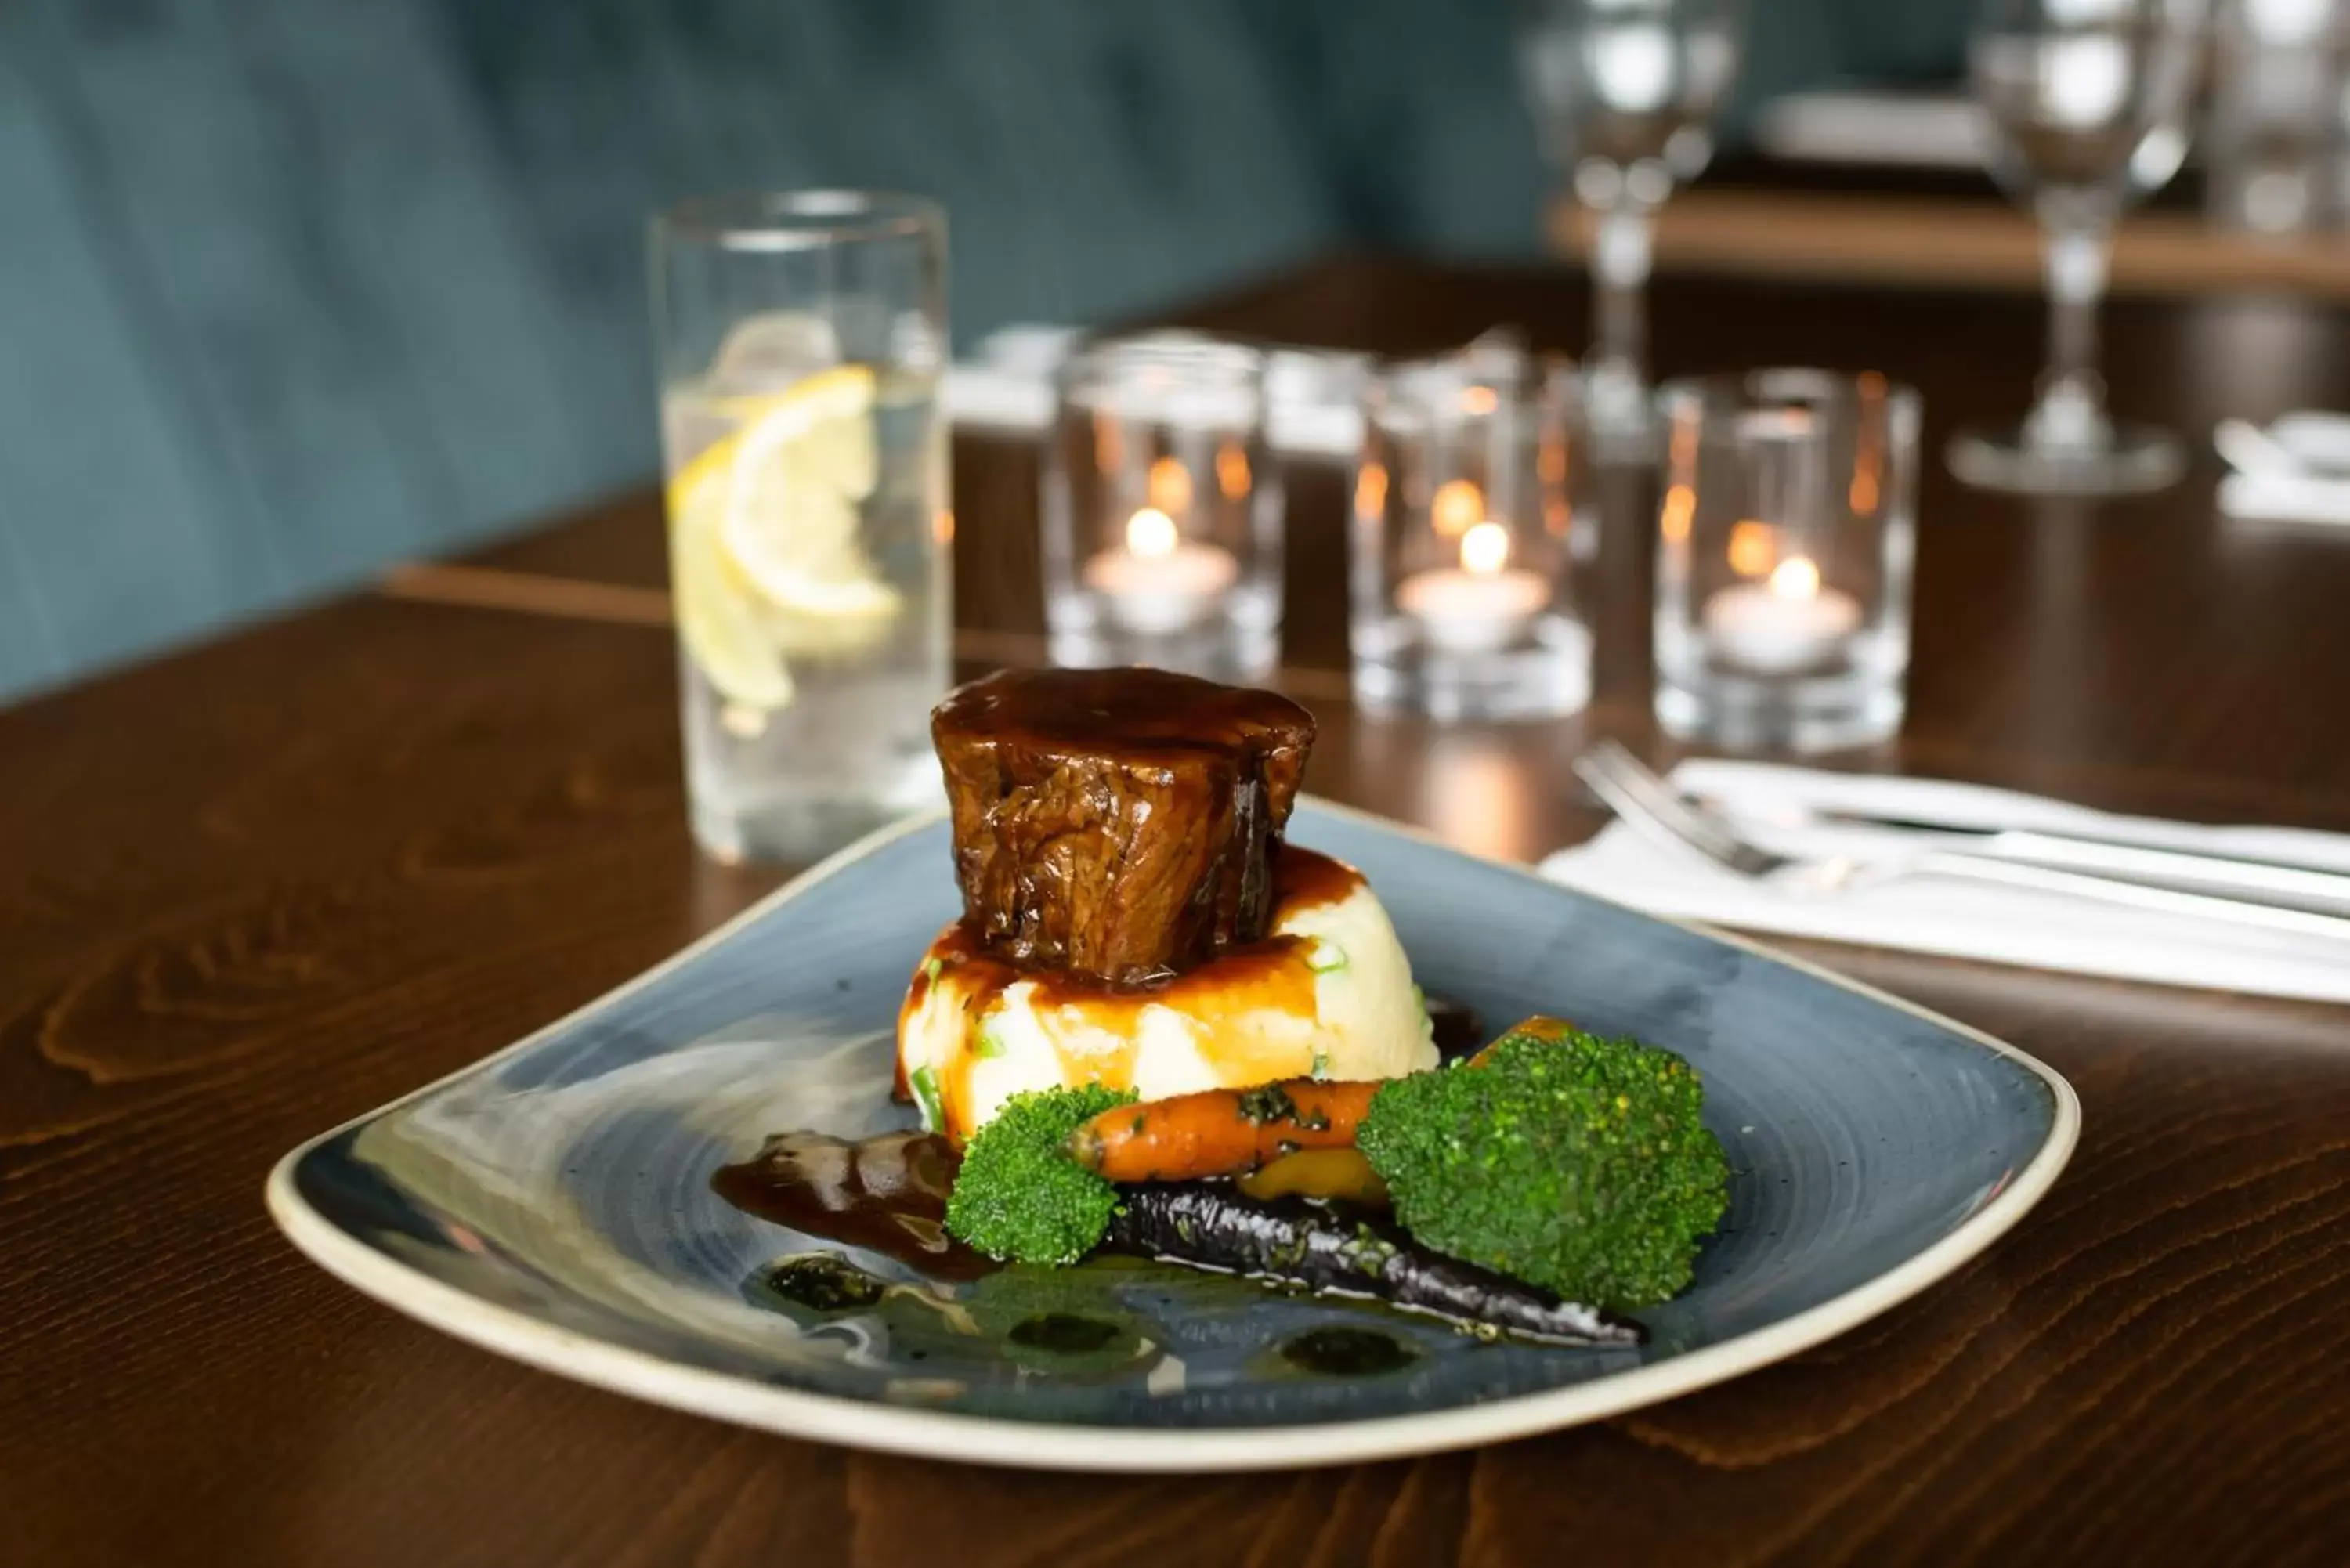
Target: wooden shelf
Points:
(1958, 242)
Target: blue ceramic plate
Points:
(554, 1203)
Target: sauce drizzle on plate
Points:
(887, 1194)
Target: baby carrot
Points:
(1219, 1132)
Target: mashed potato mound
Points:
(1328, 995)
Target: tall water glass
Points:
(1624, 93)
(800, 338)
(2088, 104)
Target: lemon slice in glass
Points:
(798, 470)
(718, 618)
(767, 553)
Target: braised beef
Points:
(1117, 824)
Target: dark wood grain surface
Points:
(258, 888)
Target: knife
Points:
(2113, 855)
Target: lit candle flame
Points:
(1485, 548)
(1866, 461)
(1457, 507)
(1232, 470)
(1150, 533)
(1862, 494)
(1478, 402)
(1169, 485)
(1674, 516)
(1753, 546)
(1795, 578)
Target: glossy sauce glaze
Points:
(1131, 711)
(1219, 998)
(887, 1194)
(1454, 1026)
(824, 1283)
(1303, 879)
(1340, 1352)
(1064, 1333)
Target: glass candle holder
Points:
(1162, 511)
(1785, 537)
(1462, 603)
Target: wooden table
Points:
(262, 886)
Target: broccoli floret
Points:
(1560, 1158)
(1019, 1196)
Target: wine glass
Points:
(1623, 94)
(2087, 104)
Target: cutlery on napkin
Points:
(2295, 470)
(1803, 812)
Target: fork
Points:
(1652, 807)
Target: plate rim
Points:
(1005, 1442)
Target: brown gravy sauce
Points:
(1133, 714)
(1303, 879)
(1455, 1028)
(887, 1194)
(1274, 975)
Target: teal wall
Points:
(290, 288)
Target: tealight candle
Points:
(1483, 604)
(1784, 623)
(1160, 582)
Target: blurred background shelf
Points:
(1959, 241)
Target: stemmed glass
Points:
(2088, 103)
(1623, 93)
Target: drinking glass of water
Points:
(800, 338)
(2088, 104)
(1624, 93)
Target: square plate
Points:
(554, 1202)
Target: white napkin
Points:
(2266, 499)
(1312, 397)
(2295, 470)
(2040, 930)
(1007, 383)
